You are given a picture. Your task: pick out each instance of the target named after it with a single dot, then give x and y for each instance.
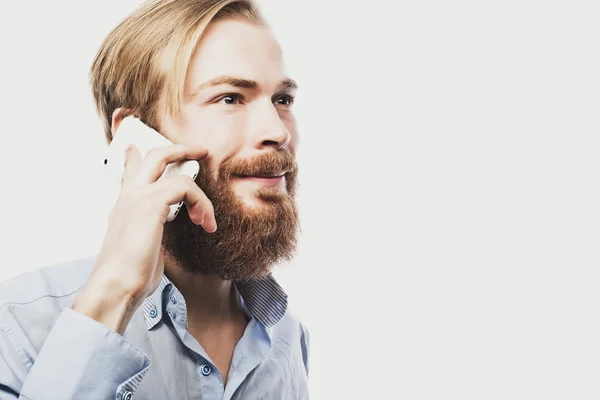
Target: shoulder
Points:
(47, 284)
(295, 334)
(290, 324)
(297, 326)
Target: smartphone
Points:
(144, 138)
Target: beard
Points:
(249, 240)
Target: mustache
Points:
(275, 162)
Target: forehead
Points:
(239, 49)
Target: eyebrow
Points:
(286, 84)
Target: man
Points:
(186, 309)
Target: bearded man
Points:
(189, 308)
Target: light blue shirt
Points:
(49, 351)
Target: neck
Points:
(210, 300)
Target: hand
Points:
(130, 264)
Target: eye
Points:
(231, 99)
(285, 100)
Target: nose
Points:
(270, 129)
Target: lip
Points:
(268, 180)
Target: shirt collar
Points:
(264, 299)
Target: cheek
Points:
(213, 163)
(220, 132)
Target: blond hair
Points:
(142, 63)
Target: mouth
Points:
(276, 174)
(271, 178)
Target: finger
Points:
(157, 159)
(200, 208)
(133, 160)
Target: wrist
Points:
(106, 304)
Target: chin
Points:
(252, 202)
(263, 197)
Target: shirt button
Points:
(127, 395)
(153, 313)
(171, 314)
(172, 298)
(205, 369)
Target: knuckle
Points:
(154, 154)
(156, 157)
(158, 167)
(165, 210)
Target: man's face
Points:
(238, 105)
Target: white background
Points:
(449, 184)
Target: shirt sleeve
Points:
(11, 368)
(80, 359)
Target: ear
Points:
(118, 115)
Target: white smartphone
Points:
(133, 131)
